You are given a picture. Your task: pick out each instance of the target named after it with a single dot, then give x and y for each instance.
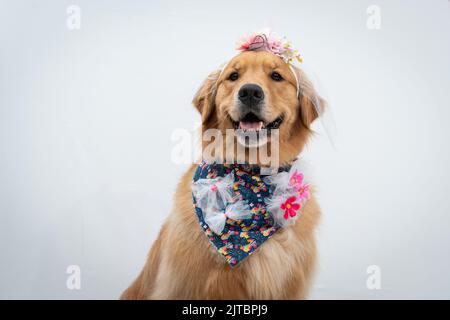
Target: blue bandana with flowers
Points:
(240, 238)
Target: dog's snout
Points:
(251, 94)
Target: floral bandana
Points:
(239, 208)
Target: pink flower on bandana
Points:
(296, 180)
(303, 189)
(304, 192)
(290, 207)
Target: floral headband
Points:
(267, 40)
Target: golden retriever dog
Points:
(182, 263)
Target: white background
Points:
(86, 118)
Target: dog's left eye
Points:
(276, 76)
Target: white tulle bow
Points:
(238, 210)
(291, 189)
(213, 194)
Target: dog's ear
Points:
(311, 104)
(205, 96)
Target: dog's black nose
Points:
(251, 94)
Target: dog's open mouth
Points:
(251, 122)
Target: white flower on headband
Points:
(267, 40)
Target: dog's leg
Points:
(142, 287)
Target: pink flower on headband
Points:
(267, 40)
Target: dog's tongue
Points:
(257, 125)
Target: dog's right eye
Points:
(233, 76)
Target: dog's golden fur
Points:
(182, 264)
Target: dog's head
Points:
(259, 90)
